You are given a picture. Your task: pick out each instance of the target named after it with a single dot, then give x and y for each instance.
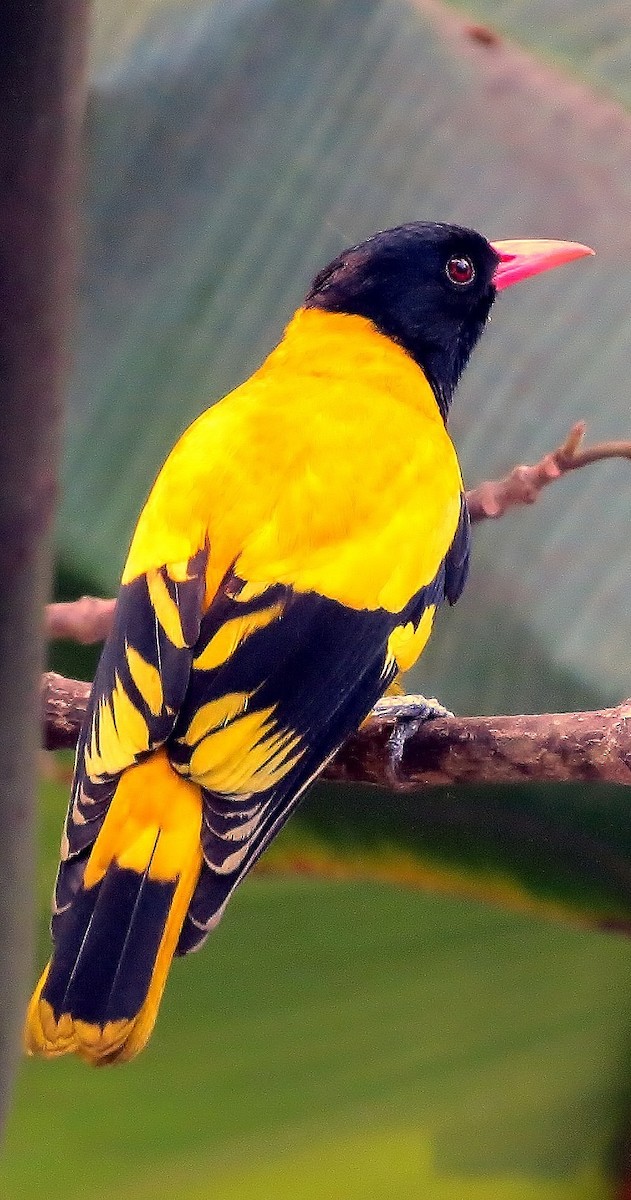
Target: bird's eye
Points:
(460, 270)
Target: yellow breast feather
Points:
(330, 470)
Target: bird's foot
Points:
(409, 712)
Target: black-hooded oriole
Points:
(287, 564)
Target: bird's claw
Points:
(409, 713)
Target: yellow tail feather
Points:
(148, 857)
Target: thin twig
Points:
(524, 484)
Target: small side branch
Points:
(524, 484)
(86, 621)
(558, 747)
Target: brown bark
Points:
(524, 484)
(42, 52)
(86, 621)
(64, 702)
(549, 747)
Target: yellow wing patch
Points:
(247, 756)
(131, 729)
(248, 591)
(215, 714)
(180, 572)
(119, 734)
(147, 680)
(224, 643)
(406, 642)
(165, 608)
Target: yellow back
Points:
(329, 470)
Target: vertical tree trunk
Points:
(42, 71)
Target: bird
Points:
(286, 567)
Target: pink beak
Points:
(519, 259)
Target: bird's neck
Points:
(346, 347)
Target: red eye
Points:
(460, 270)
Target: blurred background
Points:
(339, 1037)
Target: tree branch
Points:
(546, 747)
(86, 621)
(89, 619)
(524, 484)
(557, 747)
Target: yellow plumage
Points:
(153, 822)
(345, 480)
(287, 564)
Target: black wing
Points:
(139, 686)
(278, 682)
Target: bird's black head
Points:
(428, 287)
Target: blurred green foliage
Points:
(70, 658)
(349, 1041)
(591, 40)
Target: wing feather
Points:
(304, 681)
(137, 693)
(251, 698)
